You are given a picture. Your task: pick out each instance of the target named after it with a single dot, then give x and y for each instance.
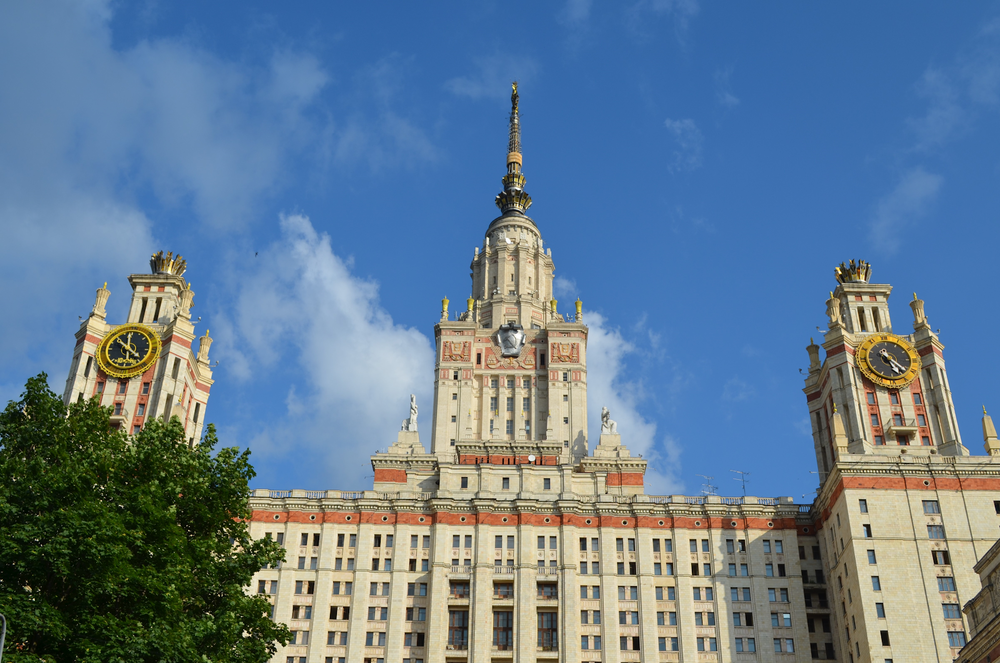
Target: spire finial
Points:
(514, 199)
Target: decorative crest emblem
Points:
(511, 338)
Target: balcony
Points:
(503, 570)
(907, 428)
(461, 572)
(548, 571)
(119, 415)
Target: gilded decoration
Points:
(128, 351)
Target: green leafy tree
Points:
(125, 548)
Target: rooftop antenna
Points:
(707, 488)
(742, 478)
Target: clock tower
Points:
(903, 510)
(147, 366)
(877, 392)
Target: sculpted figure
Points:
(833, 311)
(411, 423)
(608, 425)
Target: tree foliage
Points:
(125, 548)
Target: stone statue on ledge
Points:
(411, 423)
(608, 425)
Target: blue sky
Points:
(697, 169)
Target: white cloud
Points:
(944, 116)
(492, 76)
(92, 135)
(723, 92)
(575, 12)
(900, 208)
(564, 288)
(680, 13)
(736, 390)
(956, 93)
(609, 386)
(687, 140)
(300, 309)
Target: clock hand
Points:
(126, 347)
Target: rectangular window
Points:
(941, 557)
(876, 584)
(458, 629)
(546, 484)
(880, 610)
(769, 570)
(744, 570)
(863, 506)
(935, 531)
(548, 634)
(951, 611)
(503, 630)
(946, 584)
(871, 557)
(505, 483)
(867, 529)
(931, 506)
(956, 638)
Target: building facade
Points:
(507, 535)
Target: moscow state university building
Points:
(502, 530)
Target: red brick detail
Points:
(96, 340)
(840, 348)
(905, 483)
(813, 396)
(926, 350)
(625, 479)
(391, 475)
(179, 340)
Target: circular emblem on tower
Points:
(888, 360)
(510, 338)
(127, 351)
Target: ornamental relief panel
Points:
(526, 361)
(565, 353)
(456, 351)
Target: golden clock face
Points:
(128, 351)
(888, 360)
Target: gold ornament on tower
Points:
(128, 351)
(888, 360)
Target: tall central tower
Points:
(511, 380)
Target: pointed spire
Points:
(990, 442)
(514, 199)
